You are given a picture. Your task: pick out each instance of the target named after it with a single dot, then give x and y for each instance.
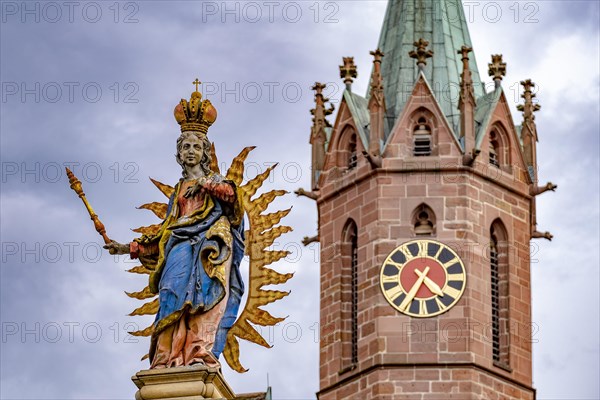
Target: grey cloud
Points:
(162, 53)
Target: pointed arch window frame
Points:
(500, 294)
(349, 297)
(499, 140)
(431, 217)
(347, 149)
(431, 123)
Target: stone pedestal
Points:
(182, 383)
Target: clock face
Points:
(423, 278)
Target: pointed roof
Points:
(443, 24)
(486, 105)
(358, 106)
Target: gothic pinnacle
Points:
(466, 74)
(528, 108)
(466, 78)
(320, 112)
(376, 78)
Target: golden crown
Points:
(195, 115)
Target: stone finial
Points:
(466, 106)
(528, 108)
(466, 78)
(466, 73)
(348, 71)
(376, 78)
(497, 68)
(464, 51)
(318, 88)
(317, 132)
(377, 54)
(421, 54)
(376, 108)
(320, 112)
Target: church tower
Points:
(425, 190)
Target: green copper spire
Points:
(440, 22)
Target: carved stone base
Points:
(182, 383)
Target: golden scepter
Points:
(76, 186)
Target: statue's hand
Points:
(117, 248)
(194, 189)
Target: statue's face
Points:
(191, 151)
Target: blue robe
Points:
(181, 279)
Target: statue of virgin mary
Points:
(195, 255)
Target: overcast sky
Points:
(93, 85)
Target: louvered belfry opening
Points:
(354, 327)
(495, 299)
(499, 294)
(352, 159)
(494, 149)
(422, 139)
(349, 296)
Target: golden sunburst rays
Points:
(214, 162)
(261, 234)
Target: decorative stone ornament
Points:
(421, 54)
(497, 68)
(348, 71)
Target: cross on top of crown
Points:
(196, 82)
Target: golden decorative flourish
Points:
(147, 309)
(140, 269)
(165, 189)
(159, 209)
(214, 162)
(261, 234)
(142, 295)
(148, 230)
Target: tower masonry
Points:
(425, 190)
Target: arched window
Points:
(499, 148)
(499, 294)
(349, 298)
(422, 138)
(423, 220)
(494, 149)
(352, 157)
(346, 150)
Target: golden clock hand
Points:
(431, 285)
(413, 290)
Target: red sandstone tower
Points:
(425, 191)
